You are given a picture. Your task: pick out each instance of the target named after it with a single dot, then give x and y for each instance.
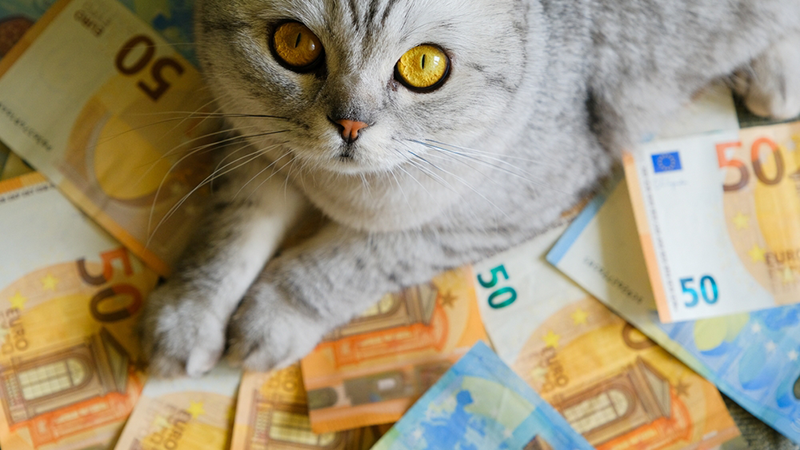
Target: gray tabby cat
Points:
(433, 133)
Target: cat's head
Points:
(363, 85)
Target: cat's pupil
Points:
(423, 61)
(299, 38)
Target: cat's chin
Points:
(348, 166)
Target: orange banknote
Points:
(95, 100)
(372, 370)
(70, 295)
(272, 413)
(613, 385)
(184, 413)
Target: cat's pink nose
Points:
(350, 129)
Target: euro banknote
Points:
(372, 370)
(753, 358)
(480, 403)
(171, 18)
(272, 413)
(718, 215)
(613, 385)
(184, 413)
(70, 366)
(92, 98)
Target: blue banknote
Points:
(753, 358)
(171, 18)
(479, 404)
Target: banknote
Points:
(184, 413)
(171, 18)
(272, 413)
(70, 365)
(96, 101)
(753, 358)
(370, 371)
(613, 385)
(718, 213)
(479, 404)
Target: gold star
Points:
(788, 275)
(682, 389)
(579, 317)
(757, 254)
(195, 409)
(741, 222)
(18, 301)
(447, 299)
(49, 283)
(551, 339)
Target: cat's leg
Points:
(326, 281)
(770, 84)
(183, 325)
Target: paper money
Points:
(70, 365)
(184, 413)
(272, 413)
(719, 219)
(370, 371)
(753, 358)
(171, 18)
(96, 101)
(480, 403)
(612, 384)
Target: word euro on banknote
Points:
(171, 18)
(70, 365)
(480, 403)
(272, 413)
(613, 385)
(92, 98)
(372, 370)
(753, 358)
(184, 413)
(718, 215)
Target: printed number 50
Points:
(494, 298)
(708, 290)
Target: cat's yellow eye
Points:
(296, 46)
(423, 68)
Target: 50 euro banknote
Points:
(616, 387)
(70, 365)
(370, 371)
(481, 404)
(184, 413)
(718, 215)
(753, 358)
(272, 413)
(95, 100)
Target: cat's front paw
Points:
(271, 330)
(179, 333)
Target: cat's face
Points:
(338, 60)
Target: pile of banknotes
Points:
(616, 329)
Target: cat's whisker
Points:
(462, 181)
(456, 156)
(261, 172)
(210, 146)
(252, 157)
(275, 172)
(412, 176)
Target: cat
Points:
(432, 134)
